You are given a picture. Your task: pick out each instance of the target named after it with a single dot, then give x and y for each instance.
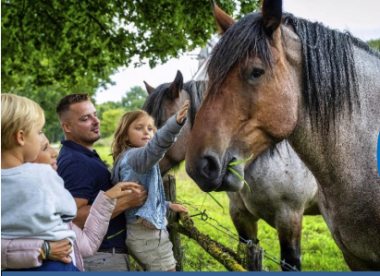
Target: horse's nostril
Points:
(208, 167)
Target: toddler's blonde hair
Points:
(119, 145)
(18, 113)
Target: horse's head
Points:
(252, 97)
(162, 103)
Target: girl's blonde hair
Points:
(18, 113)
(119, 145)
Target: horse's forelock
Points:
(243, 40)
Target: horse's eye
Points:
(256, 73)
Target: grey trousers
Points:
(107, 262)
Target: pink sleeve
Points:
(20, 253)
(95, 228)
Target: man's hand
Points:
(122, 189)
(130, 200)
(60, 251)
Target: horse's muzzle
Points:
(212, 175)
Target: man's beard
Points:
(91, 140)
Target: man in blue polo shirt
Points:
(85, 174)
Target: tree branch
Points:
(222, 254)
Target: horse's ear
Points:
(223, 20)
(149, 88)
(272, 14)
(176, 86)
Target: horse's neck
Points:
(348, 155)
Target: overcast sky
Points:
(361, 18)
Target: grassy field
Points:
(319, 252)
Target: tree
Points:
(47, 97)
(110, 113)
(81, 43)
(134, 99)
(51, 48)
(101, 108)
(110, 120)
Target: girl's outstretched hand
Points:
(178, 208)
(181, 115)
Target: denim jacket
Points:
(141, 164)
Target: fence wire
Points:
(202, 215)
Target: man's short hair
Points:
(65, 103)
(18, 113)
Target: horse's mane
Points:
(329, 77)
(153, 104)
(244, 39)
(196, 91)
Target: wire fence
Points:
(205, 218)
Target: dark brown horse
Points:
(282, 189)
(274, 76)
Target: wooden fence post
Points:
(250, 256)
(255, 258)
(174, 235)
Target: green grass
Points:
(319, 252)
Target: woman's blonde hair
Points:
(18, 113)
(119, 145)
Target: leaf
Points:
(241, 161)
(240, 177)
(217, 202)
(236, 173)
(118, 233)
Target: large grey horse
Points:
(282, 189)
(275, 76)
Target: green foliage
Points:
(374, 44)
(84, 42)
(47, 97)
(248, 7)
(101, 108)
(110, 121)
(110, 113)
(134, 99)
(53, 48)
(240, 161)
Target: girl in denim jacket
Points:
(137, 148)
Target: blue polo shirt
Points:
(85, 174)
